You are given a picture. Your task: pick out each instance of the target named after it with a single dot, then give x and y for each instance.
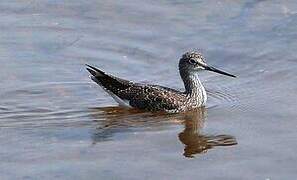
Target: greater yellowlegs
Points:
(159, 98)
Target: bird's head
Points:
(192, 62)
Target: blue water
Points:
(55, 123)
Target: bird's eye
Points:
(192, 61)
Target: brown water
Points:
(56, 124)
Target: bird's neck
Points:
(194, 88)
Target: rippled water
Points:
(57, 124)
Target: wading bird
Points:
(158, 98)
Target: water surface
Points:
(57, 124)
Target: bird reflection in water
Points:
(195, 142)
(112, 120)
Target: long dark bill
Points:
(210, 68)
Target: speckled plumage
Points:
(154, 97)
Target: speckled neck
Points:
(194, 88)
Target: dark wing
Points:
(156, 98)
(149, 97)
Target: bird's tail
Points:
(109, 82)
(94, 71)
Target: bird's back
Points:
(142, 96)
